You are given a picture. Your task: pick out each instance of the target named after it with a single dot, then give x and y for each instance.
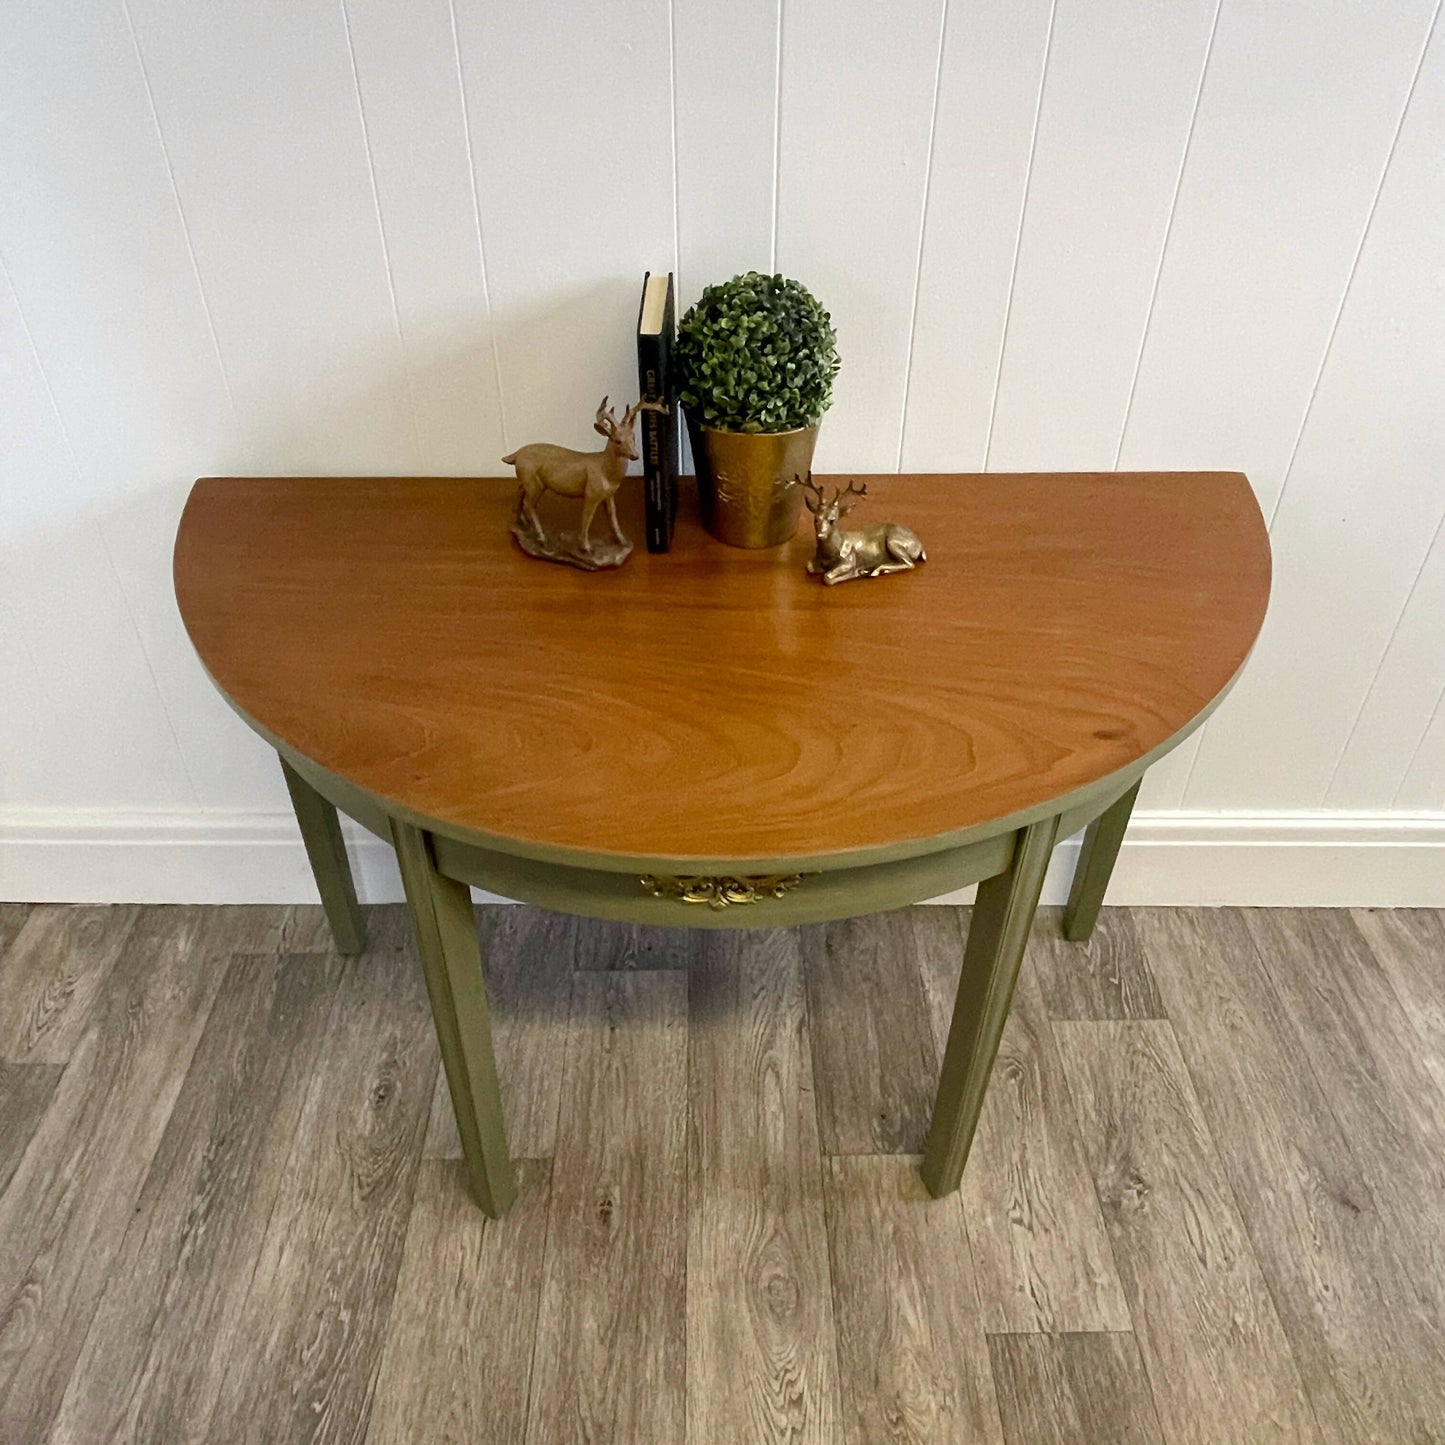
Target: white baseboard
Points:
(1266, 859)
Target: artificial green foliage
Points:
(756, 354)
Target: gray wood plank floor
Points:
(1206, 1203)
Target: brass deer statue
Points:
(592, 476)
(872, 552)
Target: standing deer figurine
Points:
(592, 476)
(871, 552)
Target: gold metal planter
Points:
(743, 480)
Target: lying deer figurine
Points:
(872, 552)
(593, 476)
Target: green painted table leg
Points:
(321, 833)
(451, 959)
(1096, 862)
(997, 935)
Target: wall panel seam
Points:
(1195, 745)
(1168, 233)
(1319, 376)
(78, 473)
(46, 701)
(412, 428)
(145, 81)
(1380, 665)
(1419, 747)
(477, 218)
(1354, 266)
(672, 121)
(777, 135)
(922, 232)
(145, 653)
(1019, 233)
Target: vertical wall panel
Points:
(1363, 501)
(988, 94)
(114, 745)
(229, 766)
(1117, 105)
(1424, 785)
(1394, 721)
(411, 96)
(93, 243)
(84, 725)
(97, 255)
(29, 726)
(1294, 122)
(727, 75)
(571, 124)
(325, 237)
(258, 109)
(856, 109)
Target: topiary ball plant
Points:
(756, 354)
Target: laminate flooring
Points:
(1206, 1201)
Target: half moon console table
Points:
(710, 737)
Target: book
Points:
(656, 319)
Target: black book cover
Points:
(655, 324)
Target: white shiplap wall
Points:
(354, 236)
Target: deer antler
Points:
(854, 490)
(604, 421)
(810, 485)
(640, 405)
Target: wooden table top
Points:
(715, 703)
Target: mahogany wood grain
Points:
(718, 703)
